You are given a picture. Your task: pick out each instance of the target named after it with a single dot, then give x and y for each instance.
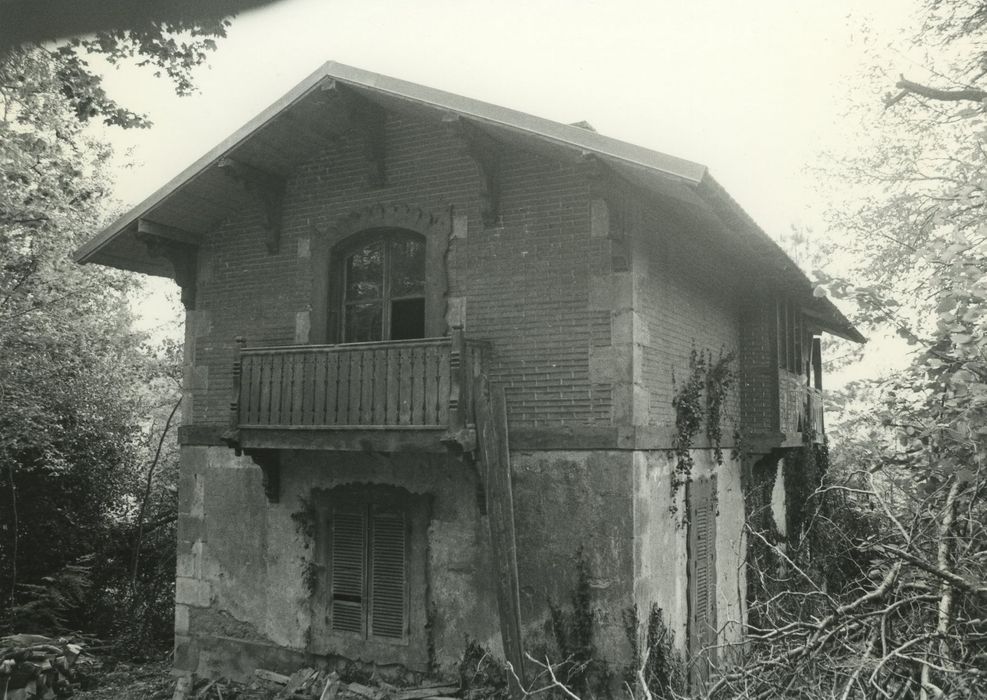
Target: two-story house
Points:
(432, 347)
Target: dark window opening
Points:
(791, 338)
(407, 319)
(817, 362)
(383, 290)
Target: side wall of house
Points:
(661, 570)
(686, 293)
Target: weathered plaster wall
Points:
(242, 560)
(731, 548)
(241, 572)
(564, 501)
(660, 547)
(659, 544)
(778, 503)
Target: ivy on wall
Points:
(697, 402)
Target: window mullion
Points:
(385, 314)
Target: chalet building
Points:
(432, 347)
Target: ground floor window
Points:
(372, 592)
(368, 568)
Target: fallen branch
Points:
(954, 579)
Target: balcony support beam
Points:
(269, 462)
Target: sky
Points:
(756, 91)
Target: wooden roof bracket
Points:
(369, 119)
(485, 151)
(178, 247)
(268, 187)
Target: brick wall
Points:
(524, 281)
(690, 298)
(579, 334)
(759, 367)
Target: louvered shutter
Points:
(388, 573)
(348, 563)
(701, 495)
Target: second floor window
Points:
(384, 288)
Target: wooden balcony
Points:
(800, 409)
(382, 396)
(815, 414)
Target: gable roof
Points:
(200, 197)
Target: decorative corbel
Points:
(269, 462)
(179, 248)
(485, 152)
(369, 119)
(268, 187)
(599, 174)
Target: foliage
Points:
(170, 49)
(803, 473)
(480, 672)
(580, 668)
(87, 478)
(660, 668)
(880, 589)
(697, 402)
(720, 376)
(688, 406)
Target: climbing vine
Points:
(698, 401)
(306, 520)
(720, 376)
(582, 669)
(688, 406)
(658, 665)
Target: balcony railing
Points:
(815, 416)
(800, 407)
(399, 385)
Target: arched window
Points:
(383, 287)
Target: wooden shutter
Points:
(701, 495)
(388, 573)
(347, 555)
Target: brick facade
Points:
(530, 285)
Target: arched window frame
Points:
(328, 245)
(338, 301)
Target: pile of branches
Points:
(305, 684)
(895, 609)
(36, 667)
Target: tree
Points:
(881, 591)
(86, 477)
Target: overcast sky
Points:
(754, 90)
